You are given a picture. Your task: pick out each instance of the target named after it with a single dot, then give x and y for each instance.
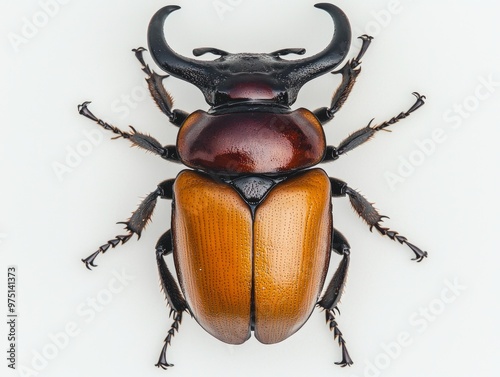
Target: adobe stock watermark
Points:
(76, 153)
(381, 18)
(419, 321)
(31, 26)
(86, 312)
(222, 7)
(454, 117)
(129, 101)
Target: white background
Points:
(447, 203)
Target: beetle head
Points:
(264, 77)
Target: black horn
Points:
(216, 78)
(303, 70)
(191, 70)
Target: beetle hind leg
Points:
(172, 293)
(333, 293)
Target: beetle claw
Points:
(163, 366)
(89, 261)
(419, 254)
(365, 37)
(139, 49)
(88, 264)
(420, 258)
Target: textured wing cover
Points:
(213, 254)
(291, 254)
(231, 270)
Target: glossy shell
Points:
(237, 271)
(257, 141)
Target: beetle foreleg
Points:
(334, 291)
(370, 215)
(162, 98)
(172, 294)
(349, 72)
(137, 222)
(363, 135)
(140, 140)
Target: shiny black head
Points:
(260, 77)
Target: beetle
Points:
(252, 230)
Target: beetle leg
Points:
(137, 222)
(330, 318)
(370, 215)
(162, 98)
(334, 291)
(172, 294)
(349, 72)
(168, 152)
(363, 135)
(162, 361)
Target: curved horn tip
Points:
(324, 6)
(170, 8)
(161, 15)
(331, 9)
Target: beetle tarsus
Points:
(330, 319)
(162, 361)
(395, 236)
(84, 110)
(89, 261)
(418, 104)
(366, 40)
